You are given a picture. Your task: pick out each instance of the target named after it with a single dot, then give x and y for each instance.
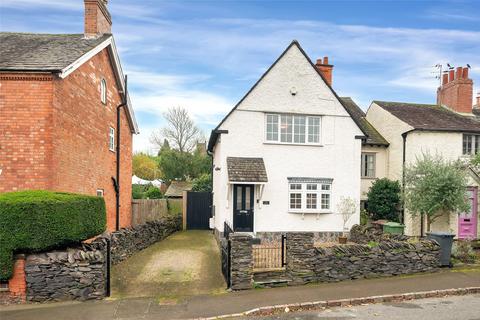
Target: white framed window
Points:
(296, 129)
(368, 165)
(111, 139)
(99, 192)
(310, 195)
(103, 91)
(471, 144)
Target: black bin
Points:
(445, 240)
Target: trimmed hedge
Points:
(33, 221)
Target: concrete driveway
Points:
(185, 264)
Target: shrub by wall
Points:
(32, 221)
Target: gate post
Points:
(241, 260)
(184, 210)
(300, 257)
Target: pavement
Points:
(445, 308)
(237, 302)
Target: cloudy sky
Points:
(205, 55)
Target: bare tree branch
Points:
(180, 130)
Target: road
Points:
(447, 308)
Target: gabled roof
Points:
(246, 170)
(373, 136)
(60, 54)
(430, 117)
(43, 52)
(215, 133)
(176, 188)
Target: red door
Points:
(467, 221)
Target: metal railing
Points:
(269, 256)
(226, 230)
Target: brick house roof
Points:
(246, 170)
(430, 117)
(373, 136)
(43, 52)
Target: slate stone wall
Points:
(66, 275)
(241, 263)
(125, 242)
(80, 273)
(301, 257)
(388, 258)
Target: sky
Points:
(205, 55)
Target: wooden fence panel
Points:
(144, 210)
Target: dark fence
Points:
(269, 256)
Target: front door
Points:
(243, 207)
(467, 221)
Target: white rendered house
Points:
(287, 153)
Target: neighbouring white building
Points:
(450, 128)
(287, 153)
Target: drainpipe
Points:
(404, 136)
(116, 180)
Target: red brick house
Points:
(59, 95)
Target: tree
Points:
(145, 167)
(346, 207)
(176, 165)
(202, 183)
(180, 130)
(435, 186)
(165, 147)
(383, 199)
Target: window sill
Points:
(369, 178)
(112, 151)
(294, 144)
(310, 212)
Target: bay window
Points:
(297, 129)
(309, 194)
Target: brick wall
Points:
(54, 135)
(26, 120)
(82, 161)
(17, 286)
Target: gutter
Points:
(116, 180)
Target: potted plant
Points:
(347, 207)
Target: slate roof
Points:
(176, 188)
(43, 52)
(430, 117)
(246, 170)
(373, 136)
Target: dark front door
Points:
(243, 207)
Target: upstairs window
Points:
(292, 129)
(368, 165)
(111, 139)
(310, 196)
(471, 143)
(103, 91)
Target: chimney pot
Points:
(465, 73)
(459, 73)
(451, 75)
(325, 69)
(445, 79)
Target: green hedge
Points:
(33, 221)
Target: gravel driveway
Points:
(186, 263)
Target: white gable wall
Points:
(338, 157)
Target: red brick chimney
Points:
(456, 91)
(326, 69)
(97, 18)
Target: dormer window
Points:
(103, 91)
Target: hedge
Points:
(32, 221)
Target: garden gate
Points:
(199, 210)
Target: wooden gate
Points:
(199, 210)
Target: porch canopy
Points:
(246, 170)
